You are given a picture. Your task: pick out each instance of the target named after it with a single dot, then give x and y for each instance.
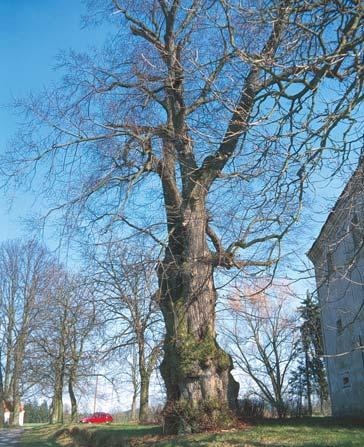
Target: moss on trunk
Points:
(195, 369)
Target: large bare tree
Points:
(23, 272)
(125, 280)
(198, 124)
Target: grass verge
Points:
(313, 432)
(78, 435)
(39, 435)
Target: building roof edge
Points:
(333, 213)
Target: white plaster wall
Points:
(341, 297)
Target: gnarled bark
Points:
(194, 368)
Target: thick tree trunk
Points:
(144, 380)
(18, 361)
(57, 401)
(57, 409)
(15, 416)
(1, 411)
(196, 371)
(144, 397)
(2, 394)
(71, 392)
(133, 406)
(281, 408)
(135, 383)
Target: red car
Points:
(97, 418)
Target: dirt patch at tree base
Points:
(80, 437)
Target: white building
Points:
(338, 257)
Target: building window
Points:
(339, 326)
(361, 348)
(346, 379)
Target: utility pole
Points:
(95, 397)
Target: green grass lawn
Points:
(43, 435)
(315, 432)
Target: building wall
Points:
(339, 265)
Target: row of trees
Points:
(57, 328)
(46, 317)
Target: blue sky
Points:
(32, 33)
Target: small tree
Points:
(262, 338)
(36, 412)
(309, 378)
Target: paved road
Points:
(10, 438)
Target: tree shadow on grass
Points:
(294, 428)
(277, 427)
(320, 422)
(213, 440)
